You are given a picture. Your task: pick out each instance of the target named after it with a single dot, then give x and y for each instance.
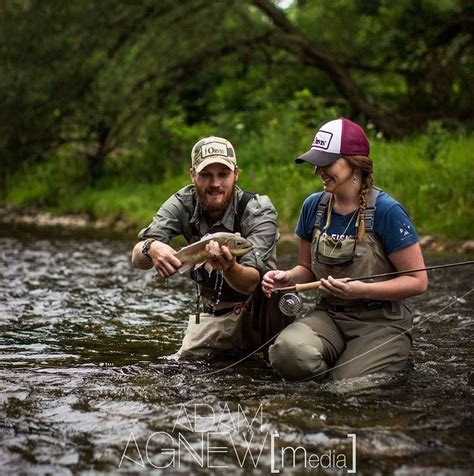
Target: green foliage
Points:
(436, 137)
(163, 151)
(436, 190)
(47, 183)
(125, 205)
(104, 100)
(100, 73)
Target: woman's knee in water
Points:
(298, 353)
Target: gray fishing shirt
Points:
(258, 223)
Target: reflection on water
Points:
(87, 371)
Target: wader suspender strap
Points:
(246, 197)
(369, 212)
(322, 209)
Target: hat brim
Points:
(318, 157)
(216, 160)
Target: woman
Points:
(351, 229)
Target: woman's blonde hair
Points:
(365, 165)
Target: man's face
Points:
(214, 187)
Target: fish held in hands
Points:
(196, 253)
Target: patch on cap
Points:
(214, 148)
(322, 140)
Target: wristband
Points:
(146, 247)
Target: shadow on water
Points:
(89, 383)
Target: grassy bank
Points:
(432, 175)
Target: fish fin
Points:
(186, 267)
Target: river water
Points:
(89, 384)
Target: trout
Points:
(196, 253)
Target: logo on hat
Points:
(322, 140)
(214, 148)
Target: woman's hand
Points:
(338, 288)
(275, 279)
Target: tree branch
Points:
(289, 38)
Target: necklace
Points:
(328, 221)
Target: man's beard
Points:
(214, 208)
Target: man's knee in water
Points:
(298, 353)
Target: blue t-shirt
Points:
(392, 225)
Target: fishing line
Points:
(241, 360)
(345, 363)
(317, 284)
(389, 340)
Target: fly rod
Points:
(317, 284)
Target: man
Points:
(213, 203)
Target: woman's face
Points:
(337, 176)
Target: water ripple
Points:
(87, 358)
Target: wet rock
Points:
(467, 247)
(438, 247)
(426, 241)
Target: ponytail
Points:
(364, 164)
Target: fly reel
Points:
(290, 304)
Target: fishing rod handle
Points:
(315, 284)
(306, 286)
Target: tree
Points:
(100, 75)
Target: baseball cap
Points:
(211, 150)
(335, 139)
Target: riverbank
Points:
(433, 184)
(119, 227)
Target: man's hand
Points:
(243, 279)
(164, 261)
(221, 257)
(162, 258)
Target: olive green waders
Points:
(234, 329)
(344, 338)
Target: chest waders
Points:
(218, 295)
(231, 322)
(344, 338)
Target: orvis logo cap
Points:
(211, 150)
(336, 139)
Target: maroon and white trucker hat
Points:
(336, 139)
